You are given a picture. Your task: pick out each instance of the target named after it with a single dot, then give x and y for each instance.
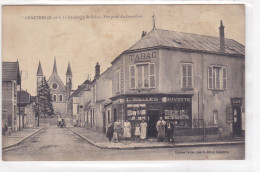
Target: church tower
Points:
(39, 76)
(68, 80)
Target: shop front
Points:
(150, 108)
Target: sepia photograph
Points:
(123, 82)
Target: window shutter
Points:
(152, 75)
(210, 77)
(224, 78)
(132, 76)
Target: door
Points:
(115, 114)
(237, 125)
(153, 117)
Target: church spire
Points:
(39, 71)
(69, 73)
(54, 66)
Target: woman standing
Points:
(127, 130)
(143, 127)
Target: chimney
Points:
(143, 34)
(221, 37)
(97, 70)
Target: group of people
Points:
(115, 130)
(164, 129)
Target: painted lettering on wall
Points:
(176, 99)
(142, 99)
(143, 56)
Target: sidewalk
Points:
(99, 140)
(16, 138)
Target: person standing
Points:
(170, 131)
(137, 132)
(117, 130)
(110, 131)
(160, 126)
(127, 130)
(143, 127)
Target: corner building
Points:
(195, 80)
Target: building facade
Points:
(194, 80)
(11, 80)
(101, 91)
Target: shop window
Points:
(54, 98)
(217, 78)
(117, 81)
(136, 112)
(178, 112)
(187, 75)
(61, 98)
(142, 75)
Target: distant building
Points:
(60, 92)
(27, 113)
(194, 80)
(94, 103)
(11, 79)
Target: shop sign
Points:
(142, 99)
(176, 99)
(236, 101)
(229, 115)
(143, 56)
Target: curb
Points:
(16, 144)
(160, 146)
(88, 140)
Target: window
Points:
(187, 75)
(217, 78)
(142, 75)
(54, 86)
(215, 117)
(60, 98)
(54, 98)
(117, 81)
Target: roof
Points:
(25, 97)
(69, 73)
(10, 72)
(77, 91)
(39, 71)
(187, 41)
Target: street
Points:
(60, 144)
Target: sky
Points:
(85, 35)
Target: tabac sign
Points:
(143, 56)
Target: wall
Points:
(170, 82)
(9, 100)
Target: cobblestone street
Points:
(55, 144)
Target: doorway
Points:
(153, 117)
(237, 125)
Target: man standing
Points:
(160, 126)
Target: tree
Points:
(44, 105)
